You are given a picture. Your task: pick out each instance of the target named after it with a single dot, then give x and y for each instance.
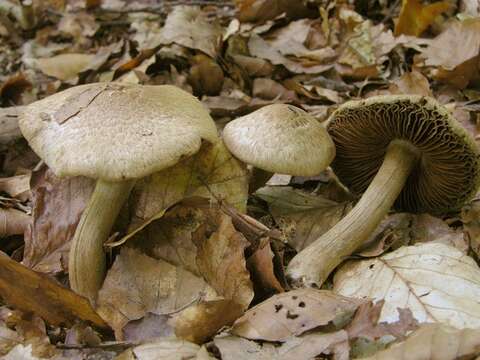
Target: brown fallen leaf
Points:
(206, 76)
(11, 90)
(411, 83)
(303, 347)
(365, 323)
(8, 338)
(57, 207)
(434, 341)
(263, 10)
(37, 293)
(168, 349)
(301, 216)
(199, 322)
(415, 17)
(213, 173)
(261, 267)
(13, 222)
(17, 186)
(137, 284)
(188, 26)
(269, 89)
(292, 313)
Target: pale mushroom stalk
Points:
(405, 151)
(323, 255)
(92, 231)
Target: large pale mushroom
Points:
(280, 139)
(114, 133)
(402, 150)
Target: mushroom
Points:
(114, 133)
(405, 150)
(281, 139)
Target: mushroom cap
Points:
(281, 139)
(116, 131)
(447, 173)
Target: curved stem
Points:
(86, 263)
(313, 264)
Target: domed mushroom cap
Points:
(281, 139)
(447, 173)
(116, 131)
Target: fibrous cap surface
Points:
(447, 173)
(281, 139)
(116, 131)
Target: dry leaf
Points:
(411, 83)
(137, 284)
(415, 17)
(9, 130)
(57, 207)
(434, 341)
(202, 239)
(31, 291)
(262, 273)
(292, 313)
(213, 173)
(305, 347)
(471, 224)
(262, 49)
(8, 338)
(198, 323)
(64, 66)
(206, 76)
(440, 50)
(170, 349)
(17, 186)
(188, 26)
(13, 222)
(302, 217)
(438, 283)
(263, 10)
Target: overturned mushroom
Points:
(402, 150)
(114, 133)
(281, 139)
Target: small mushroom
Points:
(405, 150)
(281, 139)
(115, 133)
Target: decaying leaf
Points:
(189, 27)
(9, 125)
(16, 186)
(13, 222)
(302, 217)
(434, 341)
(304, 347)
(292, 313)
(470, 217)
(31, 291)
(415, 18)
(64, 66)
(438, 283)
(169, 349)
(137, 284)
(213, 173)
(411, 83)
(57, 207)
(263, 10)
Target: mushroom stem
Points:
(313, 264)
(86, 264)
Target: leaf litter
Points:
(196, 263)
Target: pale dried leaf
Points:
(302, 217)
(305, 347)
(8, 338)
(439, 52)
(188, 26)
(16, 186)
(292, 313)
(64, 66)
(438, 283)
(57, 207)
(471, 223)
(411, 83)
(21, 352)
(170, 349)
(137, 284)
(13, 222)
(434, 341)
(260, 48)
(9, 130)
(213, 172)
